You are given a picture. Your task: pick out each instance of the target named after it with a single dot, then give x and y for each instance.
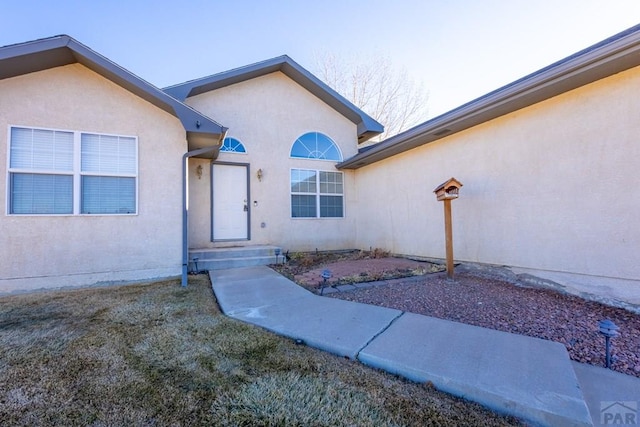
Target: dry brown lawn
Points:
(160, 355)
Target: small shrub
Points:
(378, 275)
(379, 253)
(307, 260)
(372, 254)
(361, 255)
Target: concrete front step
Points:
(232, 257)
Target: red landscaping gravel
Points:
(347, 268)
(496, 304)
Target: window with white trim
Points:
(63, 172)
(232, 145)
(109, 171)
(316, 194)
(315, 145)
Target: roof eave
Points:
(63, 50)
(34, 56)
(367, 127)
(197, 140)
(614, 55)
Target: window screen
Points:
(43, 174)
(316, 194)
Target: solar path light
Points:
(446, 192)
(609, 330)
(326, 275)
(277, 252)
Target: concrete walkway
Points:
(529, 378)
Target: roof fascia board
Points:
(604, 59)
(366, 125)
(316, 86)
(34, 56)
(62, 50)
(202, 85)
(35, 46)
(192, 120)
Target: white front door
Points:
(230, 197)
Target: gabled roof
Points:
(38, 55)
(613, 55)
(367, 126)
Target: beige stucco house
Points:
(549, 165)
(91, 168)
(551, 172)
(109, 179)
(280, 187)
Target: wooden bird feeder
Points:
(446, 192)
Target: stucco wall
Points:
(267, 114)
(550, 187)
(51, 251)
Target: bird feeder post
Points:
(448, 233)
(446, 192)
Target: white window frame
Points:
(245, 152)
(77, 173)
(317, 195)
(333, 143)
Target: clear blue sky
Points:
(459, 49)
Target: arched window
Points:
(315, 145)
(232, 145)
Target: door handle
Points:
(246, 207)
